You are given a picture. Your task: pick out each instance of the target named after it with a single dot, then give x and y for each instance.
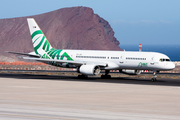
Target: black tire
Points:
(82, 76)
(153, 80)
(105, 76)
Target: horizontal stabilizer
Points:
(28, 54)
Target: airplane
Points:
(91, 62)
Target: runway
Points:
(50, 97)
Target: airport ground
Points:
(64, 97)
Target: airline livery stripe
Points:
(35, 33)
(38, 46)
(46, 46)
(36, 39)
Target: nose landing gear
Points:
(154, 76)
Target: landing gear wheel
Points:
(107, 72)
(154, 76)
(153, 80)
(82, 76)
(105, 76)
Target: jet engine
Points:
(130, 72)
(89, 69)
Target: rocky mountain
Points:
(67, 28)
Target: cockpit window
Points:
(162, 60)
(167, 59)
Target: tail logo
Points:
(43, 48)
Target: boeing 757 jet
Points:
(91, 62)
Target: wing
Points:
(33, 56)
(67, 61)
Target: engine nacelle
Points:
(130, 72)
(89, 69)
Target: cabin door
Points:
(121, 59)
(152, 61)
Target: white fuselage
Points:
(124, 59)
(91, 61)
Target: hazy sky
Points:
(133, 21)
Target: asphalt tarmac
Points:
(47, 97)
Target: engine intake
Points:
(89, 69)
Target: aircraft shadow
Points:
(118, 80)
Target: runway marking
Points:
(90, 91)
(16, 115)
(25, 86)
(87, 115)
(65, 107)
(28, 116)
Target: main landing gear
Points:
(154, 76)
(82, 76)
(106, 75)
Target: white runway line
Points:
(64, 113)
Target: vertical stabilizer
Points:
(40, 43)
(42, 46)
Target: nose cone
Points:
(168, 66)
(171, 65)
